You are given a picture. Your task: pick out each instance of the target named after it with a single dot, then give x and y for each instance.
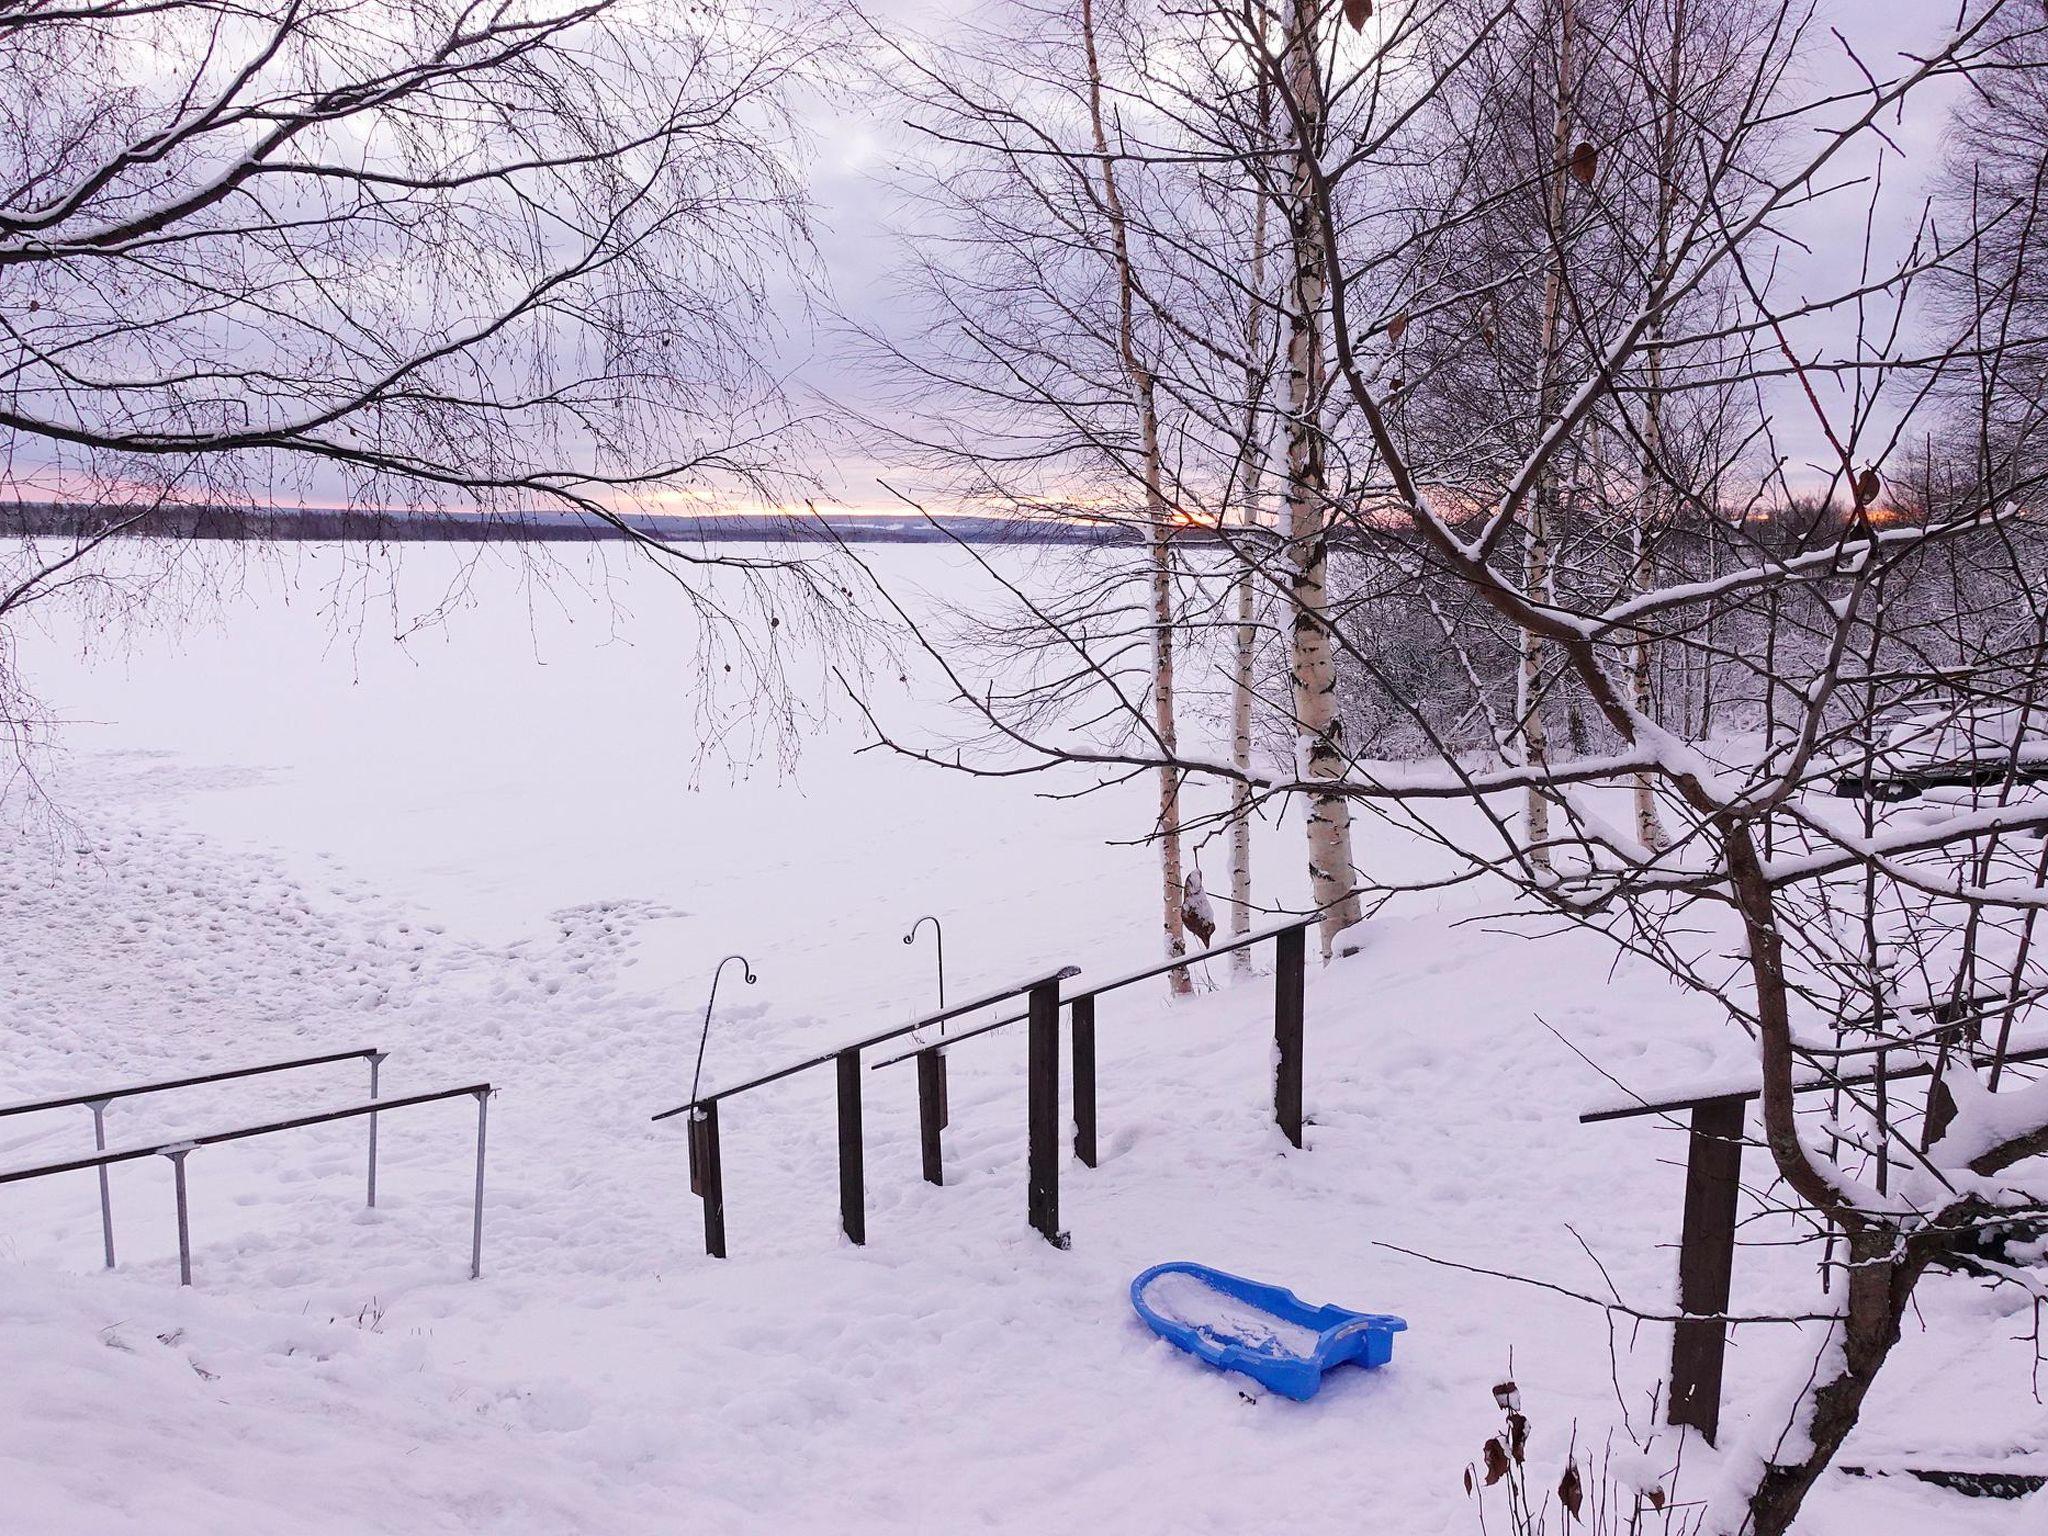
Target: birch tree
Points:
(1333, 876)
(1158, 511)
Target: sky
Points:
(858, 211)
(857, 137)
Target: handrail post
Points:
(691, 1141)
(931, 1112)
(177, 1155)
(1290, 956)
(376, 1061)
(476, 1229)
(853, 1216)
(1083, 1022)
(1042, 1201)
(708, 1175)
(1706, 1262)
(99, 1141)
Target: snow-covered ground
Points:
(481, 853)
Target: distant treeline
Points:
(382, 526)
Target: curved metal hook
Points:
(938, 938)
(747, 971)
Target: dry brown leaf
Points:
(1358, 13)
(1569, 1492)
(1584, 163)
(1496, 1456)
(1397, 327)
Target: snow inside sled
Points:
(1268, 1333)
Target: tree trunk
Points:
(1536, 550)
(1158, 515)
(1880, 1286)
(1333, 878)
(1251, 469)
(1654, 506)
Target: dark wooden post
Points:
(1290, 957)
(707, 1177)
(1083, 1021)
(696, 1157)
(1706, 1262)
(853, 1200)
(931, 1112)
(1042, 1201)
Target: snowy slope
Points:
(470, 855)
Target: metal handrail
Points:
(707, 1178)
(108, 1095)
(1745, 1093)
(1002, 995)
(100, 1098)
(178, 1149)
(1244, 941)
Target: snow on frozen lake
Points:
(482, 852)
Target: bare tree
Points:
(406, 253)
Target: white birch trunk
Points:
(1158, 512)
(1536, 550)
(1333, 879)
(1251, 468)
(1654, 505)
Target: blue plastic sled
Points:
(1269, 1333)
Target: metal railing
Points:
(1290, 948)
(707, 1171)
(183, 1147)
(1041, 1016)
(100, 1098)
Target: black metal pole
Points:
(710, 1002)
(931, 1092)
(1290, 958)
(710, 1175)
(1706, 1263)
(1083, 1010)
(1042, 1203)
(936, 1072)
(853, 1202)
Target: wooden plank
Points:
(1290, 956)
(710, 1177)
(1083, 1024)
(931, 1113)
(1706, 1264)
(1042, 1197)
(1750, 1089)
(853, 1199)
